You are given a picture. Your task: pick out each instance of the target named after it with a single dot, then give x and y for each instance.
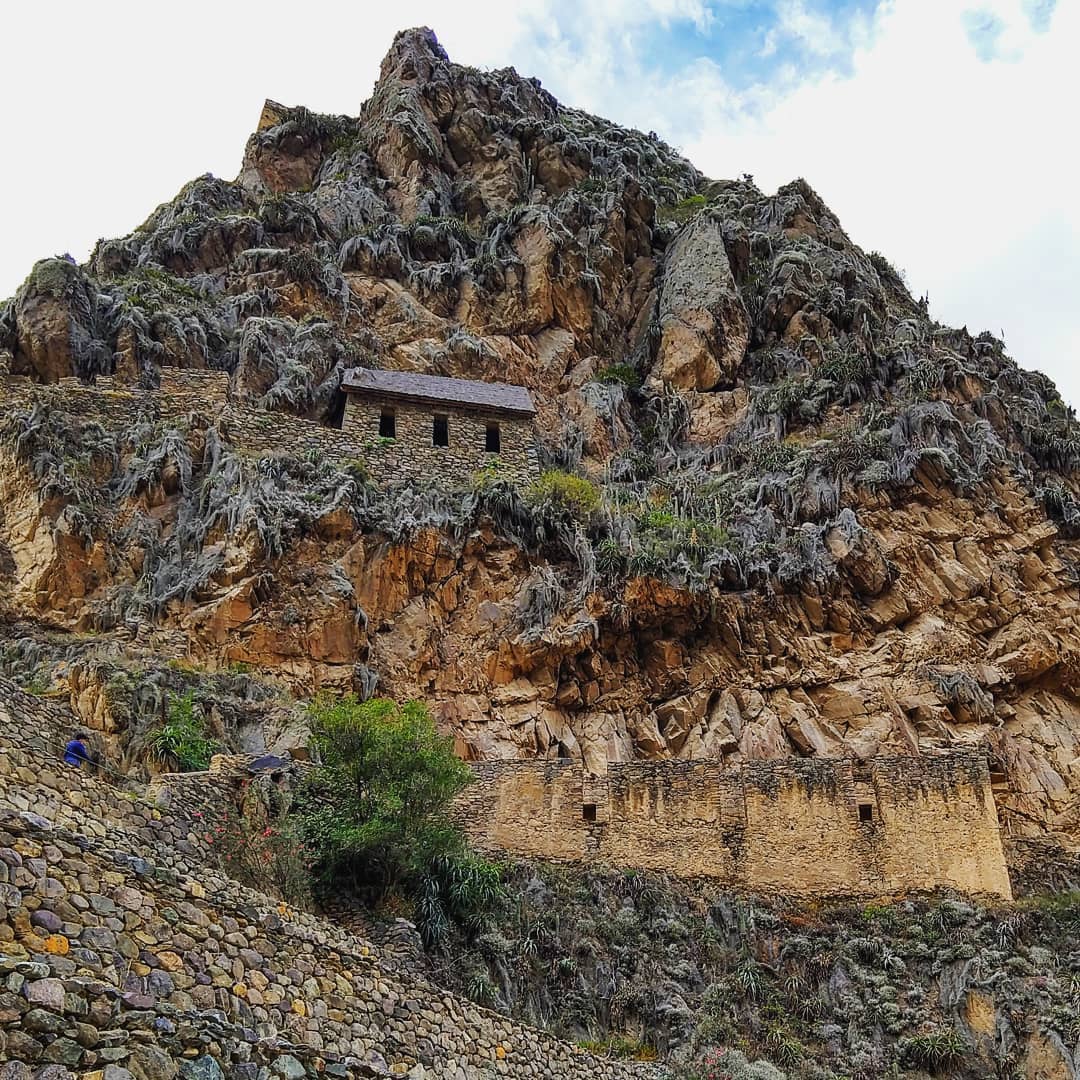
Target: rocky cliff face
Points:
(789, 513)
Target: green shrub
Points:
(682, 211)
(935, 1050)
(592, 185)
(926, 378)
(609, 558)
(690, 530)
(846, 367)
(620, 1046)
(454, 226)
(626, 374)
(574, 494)
(1065, 903)
(481, 989)
(348, 143)
(182, 741)
(38, 683)
(848, 452)
(489, 474)
(375, 814)
(788, 397)
(750, 979)
(768, 455)
(886, 270)
(882, 915)
(783, 1047)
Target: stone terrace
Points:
(192, 392)
(184, 393)
(124, 949)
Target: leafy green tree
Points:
(375, 814)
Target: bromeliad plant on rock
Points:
(181, 742)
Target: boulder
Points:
(704, 327)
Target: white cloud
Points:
(811, 29)
(959, 169)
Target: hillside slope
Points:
(806, 518)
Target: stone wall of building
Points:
(279, 433)
(791, 826)
(413, 453)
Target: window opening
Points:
(588, 811)
(387, 424)
(440, 430)
(866, 811)
(492, 439)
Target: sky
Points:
(941, 132)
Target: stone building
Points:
(430, 427)
(816, 827)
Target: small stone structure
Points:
(825, 827)
(429, 427)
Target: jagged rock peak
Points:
(412, 55)
(416, 57)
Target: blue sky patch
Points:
(984, 30)
(1039, 13)
(756, 41)
(750, 42)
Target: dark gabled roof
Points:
(434, 389)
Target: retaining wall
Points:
(825, 827)
(121, 942)
(84, 912)
(167, 819)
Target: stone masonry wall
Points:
(279, 433)
(412, 452)
(166, 819)
(122, 945)
(182, 391)
(187, 391)
(785, 826)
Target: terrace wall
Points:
(791, 826)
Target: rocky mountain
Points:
(784, 511)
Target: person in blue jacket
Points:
(75, 753)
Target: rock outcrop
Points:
(790, 513)
(702, 322)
